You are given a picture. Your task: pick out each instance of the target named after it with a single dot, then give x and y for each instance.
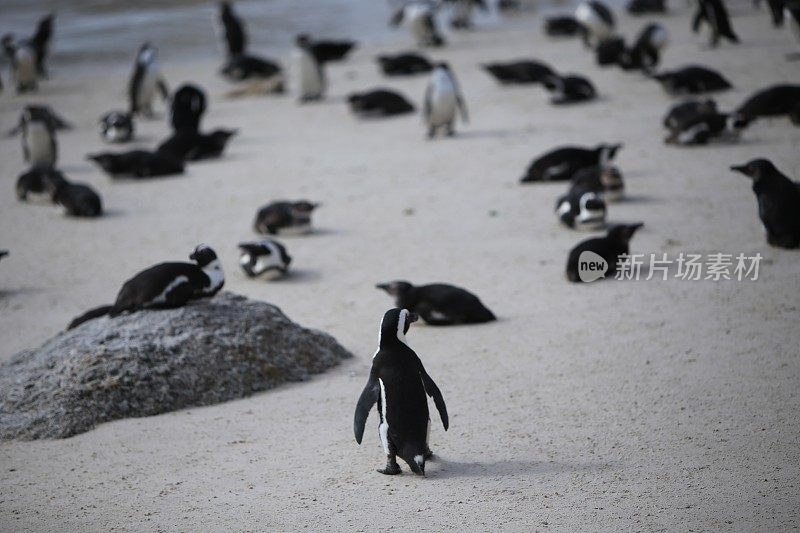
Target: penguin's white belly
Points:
(383, 428)
(309, 81)
(443, 108)
(25, 72)
(147, 89)
(660, 38)
(596, 25)
(40, 149)
(417, 23)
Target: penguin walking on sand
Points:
(309, 75)
(265, 259)
(714, 13)
(39, 146)
(22, 56)
(439, 304)
(165, 286)
(615, 244)
(778, 202)
(146, 80)
(442, 97)
(398, 383)
(773, 101)
(419, 17)
(562, 163)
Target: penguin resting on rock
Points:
(398, 383)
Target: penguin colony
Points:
(398, 382)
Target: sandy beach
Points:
(618, 405)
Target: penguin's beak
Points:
(384, 286)
(412, 317)
(742, 169)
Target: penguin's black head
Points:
(221, 136)
(203, 255)
(53, 180)
(304, 206)
(395, 324)
(396, 288)
(623, 232)
(609, 151)
(756, 169)
(611, 178)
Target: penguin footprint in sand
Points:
(398, 383)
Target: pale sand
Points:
(619, 405)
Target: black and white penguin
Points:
(405, 64)
(165, 286)
(774, 101)
(681, 114)
(116, 127)
(419, 16)
(562, 26)
(570, 89)
(714, 13)
(22, 56)
(615, 244)
(240, 65)
(611, 51)
(146, 80)
(581, 209)
(327, 51)
(462, 11)
(692, 80)
(520, 72)
(308, 73)
(187, 108)
(605, 181)
(562, 163)
(286, 218)
(45, 113)
(645, 53)
(32, 185)
(442, 97)
(778, 202)
(398, 383)
(77, 199)
(137, 164)
(40, 41)
(597, 21)
(646, 7)
(700, 129)
(266, 259)
(195, 146)
(39, 146)
(439, 304)
(379, 103)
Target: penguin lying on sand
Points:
(615, 244)
(560, 164)
(581, 209)
(398, 383)
(77, 199)
(603, 180)
(439, 304)
(116, 127)
(331, 51)
(285, 217)
(778, 202)
(240, 65)
(520, 72)
(379, 103)
(692, 80)
(165, 286)
(419, 17)
(713, 13)
(33, 182)
(681, 114)
(195, 146)
(700, 129)
(442, 98)
(643, 7)
(562, 26)
(266, 259)
(775, 101)
(137, 164)
(146, 80)
(405, 64)
(570, 89)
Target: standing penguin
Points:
(145, 81)
(398, 383)
(439, 304)
(419, 17)
(597, 22)
(38, 137)
(778, 202)
(22, 56)
(41, 42)
(615, 244)
(713, 12)
(165, 286)
(441, 99)
(308, 72)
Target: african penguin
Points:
(266, 259)
(77, 199)
(519, 72)
(116, 127)
(439, 304)
(145, 81)
(570, 89)
(774, 101)
(241, 66)
(235, 37)
(379, 103)
(187, 108)
(398, 383)
(22, 56)
(560, 164)
(462, 12)
(187, 145)
(692, 80)
(442, 97)
(419, 17)
(404, 64)
(605, 180)
(308, 73)
(39, 145)
(33, 183)
(562, 26)
(287, 218)
(680, 114)
(642, 7)
(331, 51)
(778, 202)
(597, 21)
(700, 129)
(41, 42)
(580, 209)
(714, 13)
(645, 53)
(44, 113)
(137, 164)
(165, 286)
(616, 243)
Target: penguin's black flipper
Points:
(163, 89)
(433, 391)
(365, 402)
(697, 19)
